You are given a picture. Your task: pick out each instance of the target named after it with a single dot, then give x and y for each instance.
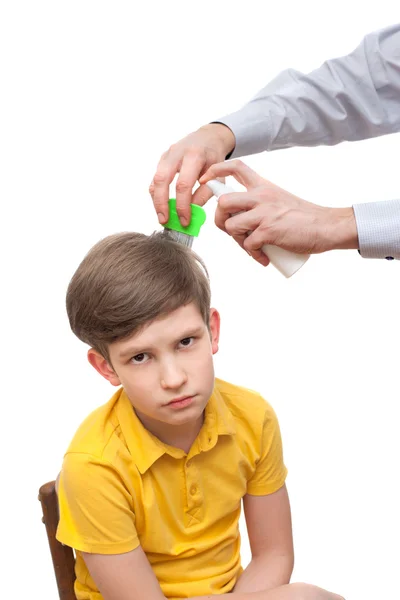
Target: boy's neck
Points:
(178, 436)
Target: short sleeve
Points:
(271, 472)
(96, 509)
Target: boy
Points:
(151, 486)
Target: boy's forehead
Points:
(182, 317)
(178, 323)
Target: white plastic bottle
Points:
(286, 262)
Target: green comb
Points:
(176, 231)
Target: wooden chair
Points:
(62, 556)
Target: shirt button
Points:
(188, 462)
(193, 489)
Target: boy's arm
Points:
(269, 529)
(126, 576)
(130, 577)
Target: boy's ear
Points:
(215, 323)
(102, 366)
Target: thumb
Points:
(201, 195)
(241, 172)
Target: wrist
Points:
(222, 136)
(342, 233)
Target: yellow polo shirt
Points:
(121, 487)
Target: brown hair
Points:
(129, 279)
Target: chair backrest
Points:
(63, 556)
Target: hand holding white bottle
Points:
(286, 262)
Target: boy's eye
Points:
(187, 341)
(140, 358)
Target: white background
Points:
(92, 94)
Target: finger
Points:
(238, 169)
(253, 245)
(231, 205)
(236, 202)
(242, 223)
(221, 216)
(190, 170)
(239, 239)
(159, 187)
(256, 240)
(258, 255)
(202, 195)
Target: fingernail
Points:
(161, 217)
(184, 221)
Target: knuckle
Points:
(253, 243)
(172, 149)
(160, 178)
(229, 226)
(183, 186)
(249, 244)
(222, 201)
(194, 151)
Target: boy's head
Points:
(143, 305)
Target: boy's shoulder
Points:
(245, 404)
(98, 431)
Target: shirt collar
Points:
(146, 448)
(218, 421)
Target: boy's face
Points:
(167, 367)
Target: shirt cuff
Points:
(378, 226)
(251, 128)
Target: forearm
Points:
(276, 594)
(348, 98)
(283, 593)
(293, 591)
(242, 596)
(265, 573)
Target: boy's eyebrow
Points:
(132, 350)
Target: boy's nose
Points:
(172, 376)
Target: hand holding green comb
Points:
(176, 231)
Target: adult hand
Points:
(190, 157)
(270, 215)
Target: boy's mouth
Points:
(180, 402)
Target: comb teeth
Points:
(179, 237)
